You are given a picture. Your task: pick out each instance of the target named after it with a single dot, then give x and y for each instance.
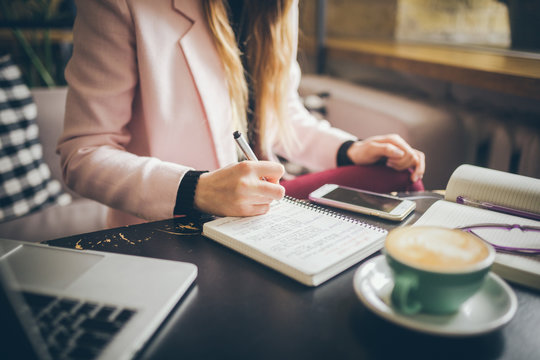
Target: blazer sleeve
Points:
(317, 142)
(103, 81)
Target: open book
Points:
(519, 194)
(303, 241)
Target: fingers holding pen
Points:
(269, 170)
(253, 188)
(237, 190)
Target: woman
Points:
(156, 89)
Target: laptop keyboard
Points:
(74, 329)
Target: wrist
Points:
(185, 197)
(344, 153)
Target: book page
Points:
(496, 187)
(300, 237)
(448, 214)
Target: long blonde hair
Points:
(269, 52)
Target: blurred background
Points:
(459, 79)
(37, 34)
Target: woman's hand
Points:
(237, 189)
(399, 154)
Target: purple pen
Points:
(499, 208)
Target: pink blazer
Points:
(148, 101)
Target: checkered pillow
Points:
(25, 179)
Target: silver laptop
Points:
(73, 304)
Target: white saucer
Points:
(491, 307)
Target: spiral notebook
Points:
(303, 241)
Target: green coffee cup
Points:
(435, 269)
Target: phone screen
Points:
(362, 199)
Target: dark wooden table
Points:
(240, 309)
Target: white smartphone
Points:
(365, 202)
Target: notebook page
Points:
(497, 187)
(448, 214)
(300, 237)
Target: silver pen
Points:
(243, 145)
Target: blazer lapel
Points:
(206, 68)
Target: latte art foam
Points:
(436, 249)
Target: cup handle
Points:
(401, 294)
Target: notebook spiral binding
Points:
(320, 209)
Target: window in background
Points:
(497, 24)
(463, 22)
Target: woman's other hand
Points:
(399, 155)
(237, 189)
